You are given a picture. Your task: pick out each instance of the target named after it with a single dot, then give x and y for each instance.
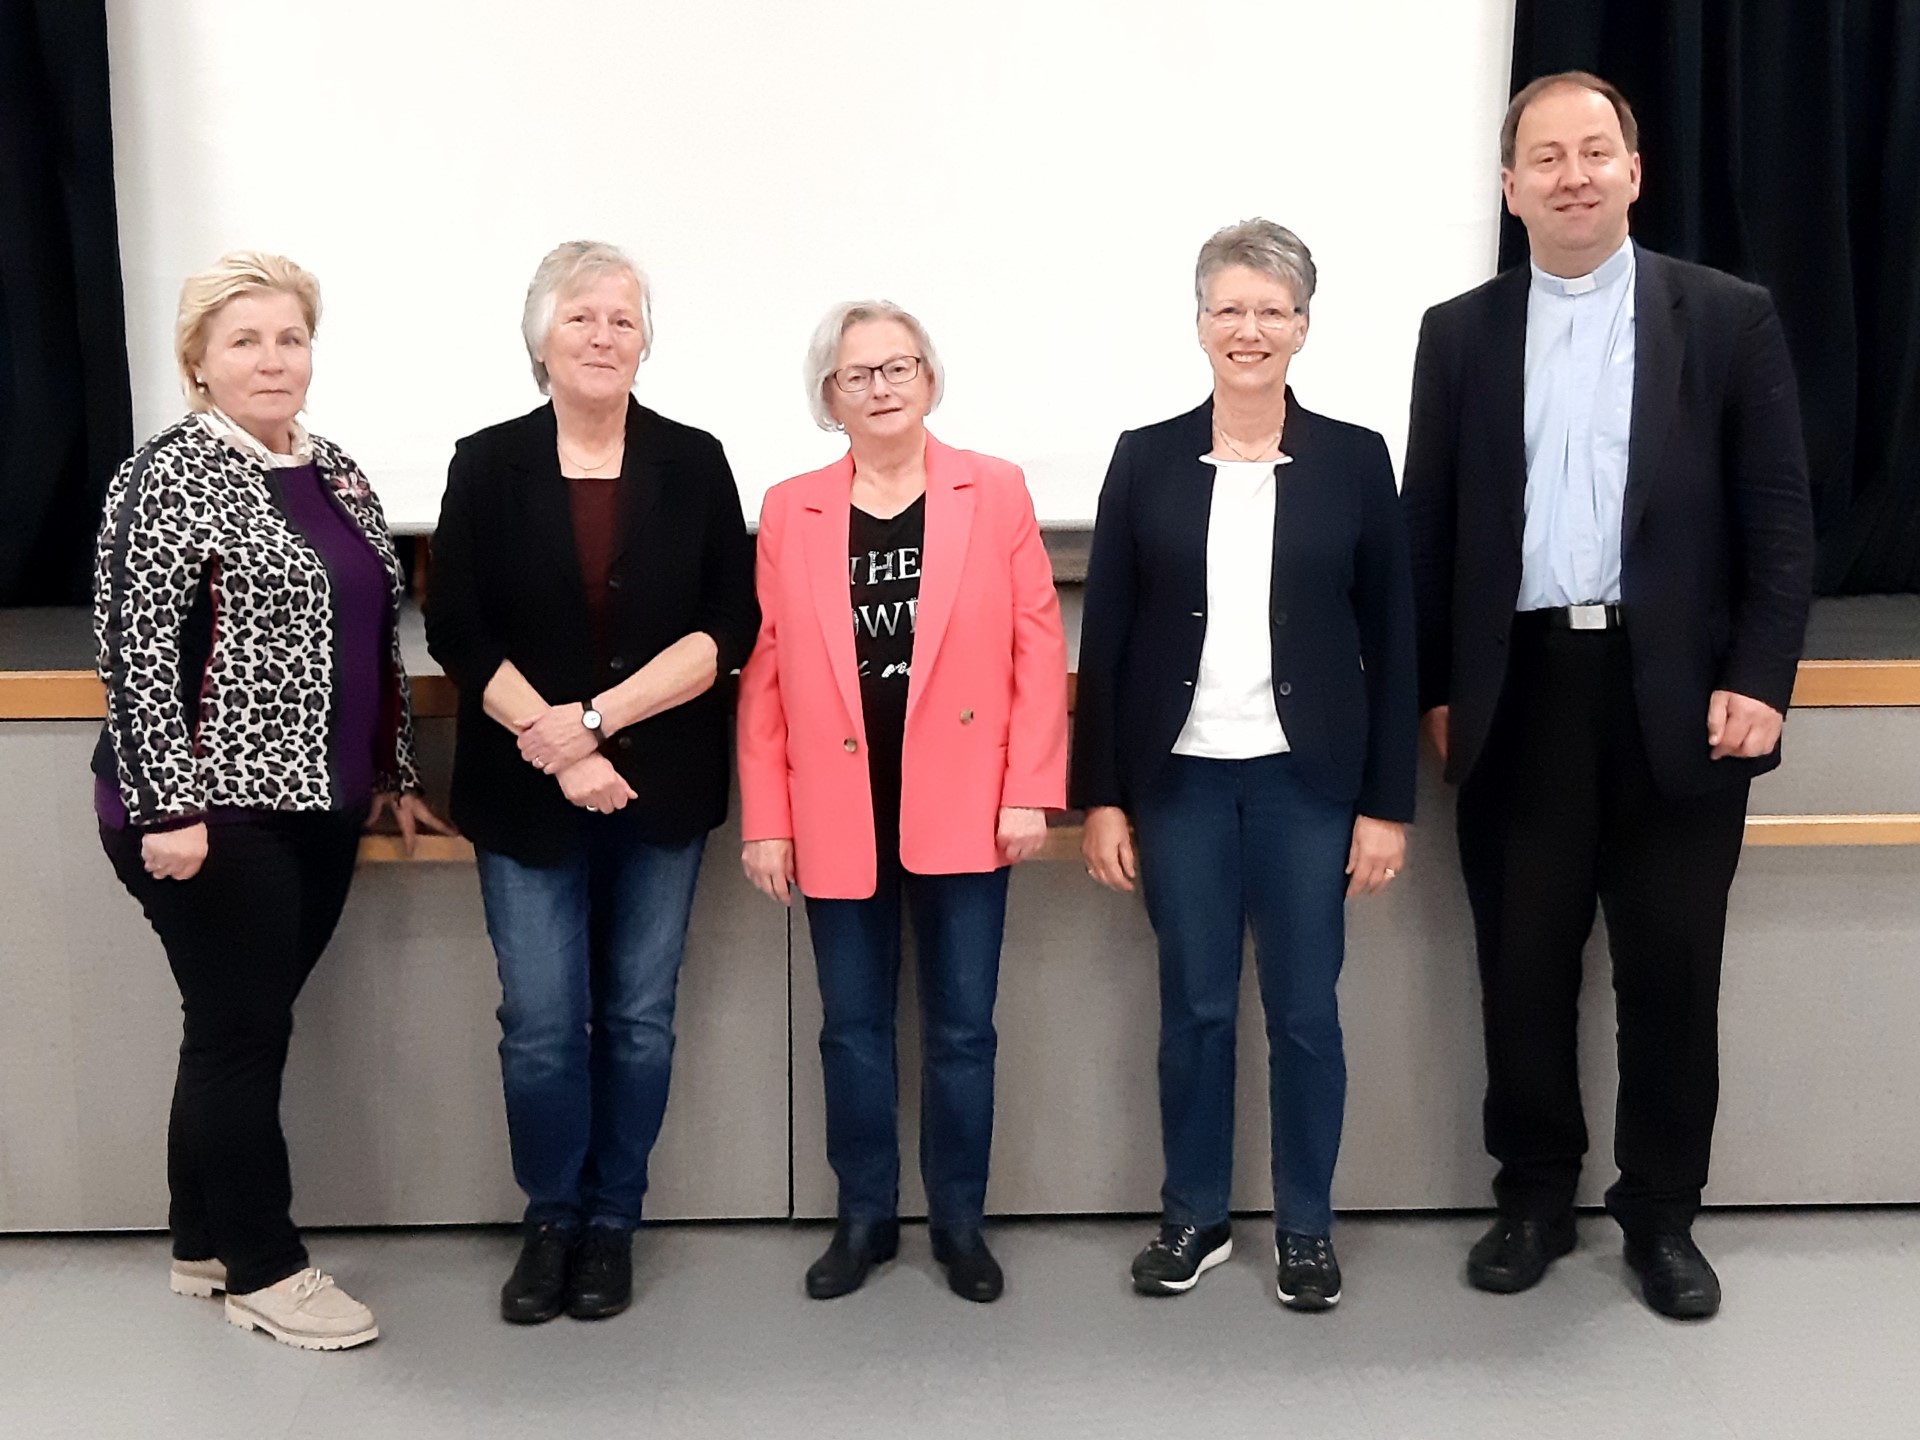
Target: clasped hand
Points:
(557, 739)
(557, 744)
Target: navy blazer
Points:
(1339, 602)
(1716, 565)
(505, 585)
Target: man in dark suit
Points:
(1606, 493)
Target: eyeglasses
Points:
(1228, 317)
(897, 371)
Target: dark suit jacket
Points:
(1339, 604)
(505, 585)
(1717, 544)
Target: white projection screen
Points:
(1033, 179)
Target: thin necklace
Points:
(599, 464)
(1227, 440)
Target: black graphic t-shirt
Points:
(883, 580)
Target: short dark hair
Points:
(1574, 79)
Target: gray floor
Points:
(1820, 1337)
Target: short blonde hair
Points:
(202, 296)
(563, 270)
(824, 350)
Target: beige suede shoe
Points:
(307, 1310)
(200, 1278)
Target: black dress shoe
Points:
(857, 1247)
(537, 1289)
(602, 1282)
(972, 1272)
(1675, 1277)
(1515, 1253)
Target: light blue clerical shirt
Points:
(1579, 418)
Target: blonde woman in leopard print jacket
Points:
(246, 594)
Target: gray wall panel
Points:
(392, 1102)
(393, 1098)
(1845, 761)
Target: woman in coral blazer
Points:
(902, 732)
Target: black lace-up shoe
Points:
(1515, 1253)
(1675, 1277)
(857, 1247)
(972, 1272)
(602, 1282)
(1306, 1273)
(537, 1289)
(1178, 1256)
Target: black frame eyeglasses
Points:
(897, 371)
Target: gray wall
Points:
(393, 1098)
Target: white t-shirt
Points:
(1233, 715)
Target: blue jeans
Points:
(957, 925)
(589, 954)
(1222, 843)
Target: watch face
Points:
(590, 719)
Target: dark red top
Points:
(594, 517)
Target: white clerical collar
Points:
(222, 426)
(1611, 269)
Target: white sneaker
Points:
(307, 1310)
(200, 1278)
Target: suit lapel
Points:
(1184, 501)
(1298, 442)
(825, 509)
(543, 502)
(943, 557)
(1506, 379)
(642, 476)
(1659, 344)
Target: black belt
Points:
(1576, 617)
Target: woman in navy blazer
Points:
(1246, 708)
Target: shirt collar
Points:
(223, 427)
(1610, 271)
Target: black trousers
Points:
(241, 937)
(1561, 812)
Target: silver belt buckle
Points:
(1587, 617)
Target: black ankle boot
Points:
(972, 1272)
(857, 1247)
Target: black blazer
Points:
(1716, 566)
(505, 585)
(1339, 603)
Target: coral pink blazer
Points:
(986, 698)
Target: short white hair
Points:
(1262, 246)
(824, 352)
(569, 268)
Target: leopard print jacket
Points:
(189, 518)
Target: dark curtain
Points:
(65, 407)
(1781, 142)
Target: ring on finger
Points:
(1391, 872)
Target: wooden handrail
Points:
(1825, 684)
(76, 694)
(1063, 841)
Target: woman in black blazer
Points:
(1246, 700)
(592, 580)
